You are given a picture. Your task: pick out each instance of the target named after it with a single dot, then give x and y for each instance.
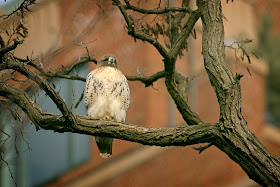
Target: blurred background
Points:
(56, 29)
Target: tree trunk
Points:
(237, 141)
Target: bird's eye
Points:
(106, 59)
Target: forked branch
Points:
(137, 34)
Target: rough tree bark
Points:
(237, 141)
(230, 134)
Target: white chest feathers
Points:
(107, 94)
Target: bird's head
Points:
(108, 60)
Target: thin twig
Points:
(80, 99)
(147, 80)
(9, 168)
(202, 148)
(128, 6)
(24, 6)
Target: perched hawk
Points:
(107, 97)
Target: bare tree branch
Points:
(24, 6)
(175, 29)
(128, 6)
(9, 168)
(189, 116)
(63, 73)
(67, 70)
(11, 47)
(147, 80)
(187, 29)
(2, 42)
(177, 136)
(238, 142)
(169, 60)
(44, 85)
(137, 34)
(202, 148)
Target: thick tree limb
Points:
(178, 136)
(238, 142)
(174, 90)
(178, 91)
(187, 29)
(175, 22)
